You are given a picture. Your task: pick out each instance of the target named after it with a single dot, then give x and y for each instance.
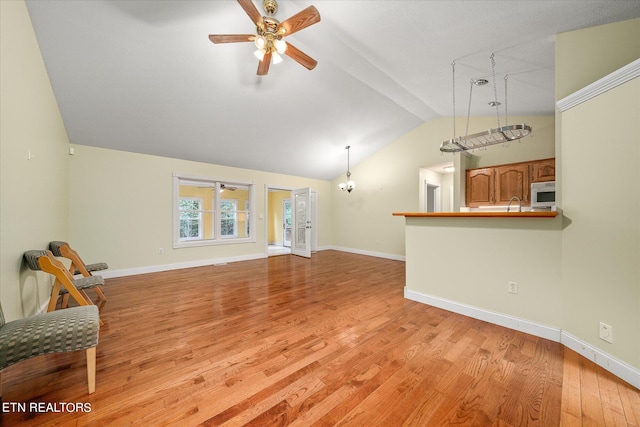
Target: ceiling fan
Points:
(270, 33)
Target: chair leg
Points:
(98, 290)
(0, 384)
(65, 301)
(55, 293)
(91, 369)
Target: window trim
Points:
(215, 183)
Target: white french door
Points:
(286, 223)
(301, 220)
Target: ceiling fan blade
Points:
(263, 66)
(300, 57)
(231, 38)
(299, 21)
(251, 10)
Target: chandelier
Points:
(499, 135)
(349, 185)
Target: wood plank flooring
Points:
(327, 341)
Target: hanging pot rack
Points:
(498, 135)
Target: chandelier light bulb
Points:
(260, 42)
(260, 54)
(281, 46)
(276, 57)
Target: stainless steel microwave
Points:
(543, 194)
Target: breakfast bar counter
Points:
(503, 267)
(531, 214)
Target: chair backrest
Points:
(32, 258)
(55, 246)
(62, 249)
(45, 261)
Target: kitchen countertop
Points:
(543, 214)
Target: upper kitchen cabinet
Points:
(496, 185)
(481, 187)
(544, 170)
(512, 181)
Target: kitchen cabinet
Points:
(544, 170)
(512, 181)
(496, 185)
(481, 187)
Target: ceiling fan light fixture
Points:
(280, 45)
(260, 54)
(276, 58)
(260, 42)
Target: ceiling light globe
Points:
(342, 186)
(281, 46)
(276, 57)
(260, 54)
(260, 42)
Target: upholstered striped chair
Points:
(60, 331)
(77, 266)
(64, 283)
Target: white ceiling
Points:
(142, 76)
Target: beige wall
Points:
(125, 215)
(389, 180)
(34, 207)
(586, 55)
(600, 251)
(472, 260)
(601, 244)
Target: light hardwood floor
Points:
(326, 341)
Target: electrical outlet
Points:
(513, 287)
(606, 332)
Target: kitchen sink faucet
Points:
(519, 203)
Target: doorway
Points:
(280, 216)
(278, 221)
(432, 197)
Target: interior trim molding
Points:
(608, 82)
(616, 367)
(176, 266)
(368, 253)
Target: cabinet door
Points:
(512, 180)
(544, 170)
(480, 187)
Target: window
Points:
(228, 218)
(190, 218)
(206, 211)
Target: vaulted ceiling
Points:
(142, 76)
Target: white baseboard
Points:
(507, 321)
(368, 253)
(176, 266)
(602, 359)
(599, 357)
